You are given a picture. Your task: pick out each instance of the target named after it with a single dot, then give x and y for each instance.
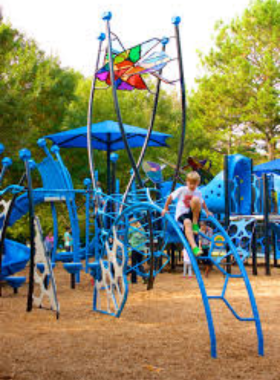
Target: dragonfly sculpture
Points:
(130, 65)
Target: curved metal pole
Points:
(107, 17)
(144, 206)
(246, 281)
(149, 132)
(89, 117)
(176, 21)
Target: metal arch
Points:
(117, 108)
(152, 207)
(150, 130)
(247, 284)
(89, 119)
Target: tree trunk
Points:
(229, 140)
(271, 150)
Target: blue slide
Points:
(21, 206)
(15, 258)
(16, 255)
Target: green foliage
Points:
(239, 94)
(236, 103)
(34, 92)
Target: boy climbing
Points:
(188, 208)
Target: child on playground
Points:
(188, 208)
(137, 240)
(68, 240)
(204, 245)
(186, 264)
(49, 243)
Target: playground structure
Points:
(246, 200)
(106, 253)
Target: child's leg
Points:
(196, 208)
(185, 269)
(189, 233)
(189, 270)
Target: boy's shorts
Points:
(183, 217)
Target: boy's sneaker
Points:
(197, 251)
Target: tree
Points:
(238, 96)
(34, 91)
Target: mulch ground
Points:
(162, 334)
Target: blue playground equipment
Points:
(138, 211)
(16, 254)
(242, 193)
(15, 258)
(129, 227)
(13, 255)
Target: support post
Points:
(25, 155)
(108, 165)
(227, 206)
(73, 281)
(150, 284)
(274, 242)
(114, 158)
(266, 224)
(254, 237)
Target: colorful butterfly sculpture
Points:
(131, 64)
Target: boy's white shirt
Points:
(184, 196)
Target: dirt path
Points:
(162, 334)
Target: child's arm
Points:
(166, 206)
(204, 206)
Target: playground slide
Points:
(15, 258)
(21, 206)
(16, 254)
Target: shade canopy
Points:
(268, 167)
(106, 136)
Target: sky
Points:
(69, 28)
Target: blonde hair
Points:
(193, 177)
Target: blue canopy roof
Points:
(268, 167)
(106, 136)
